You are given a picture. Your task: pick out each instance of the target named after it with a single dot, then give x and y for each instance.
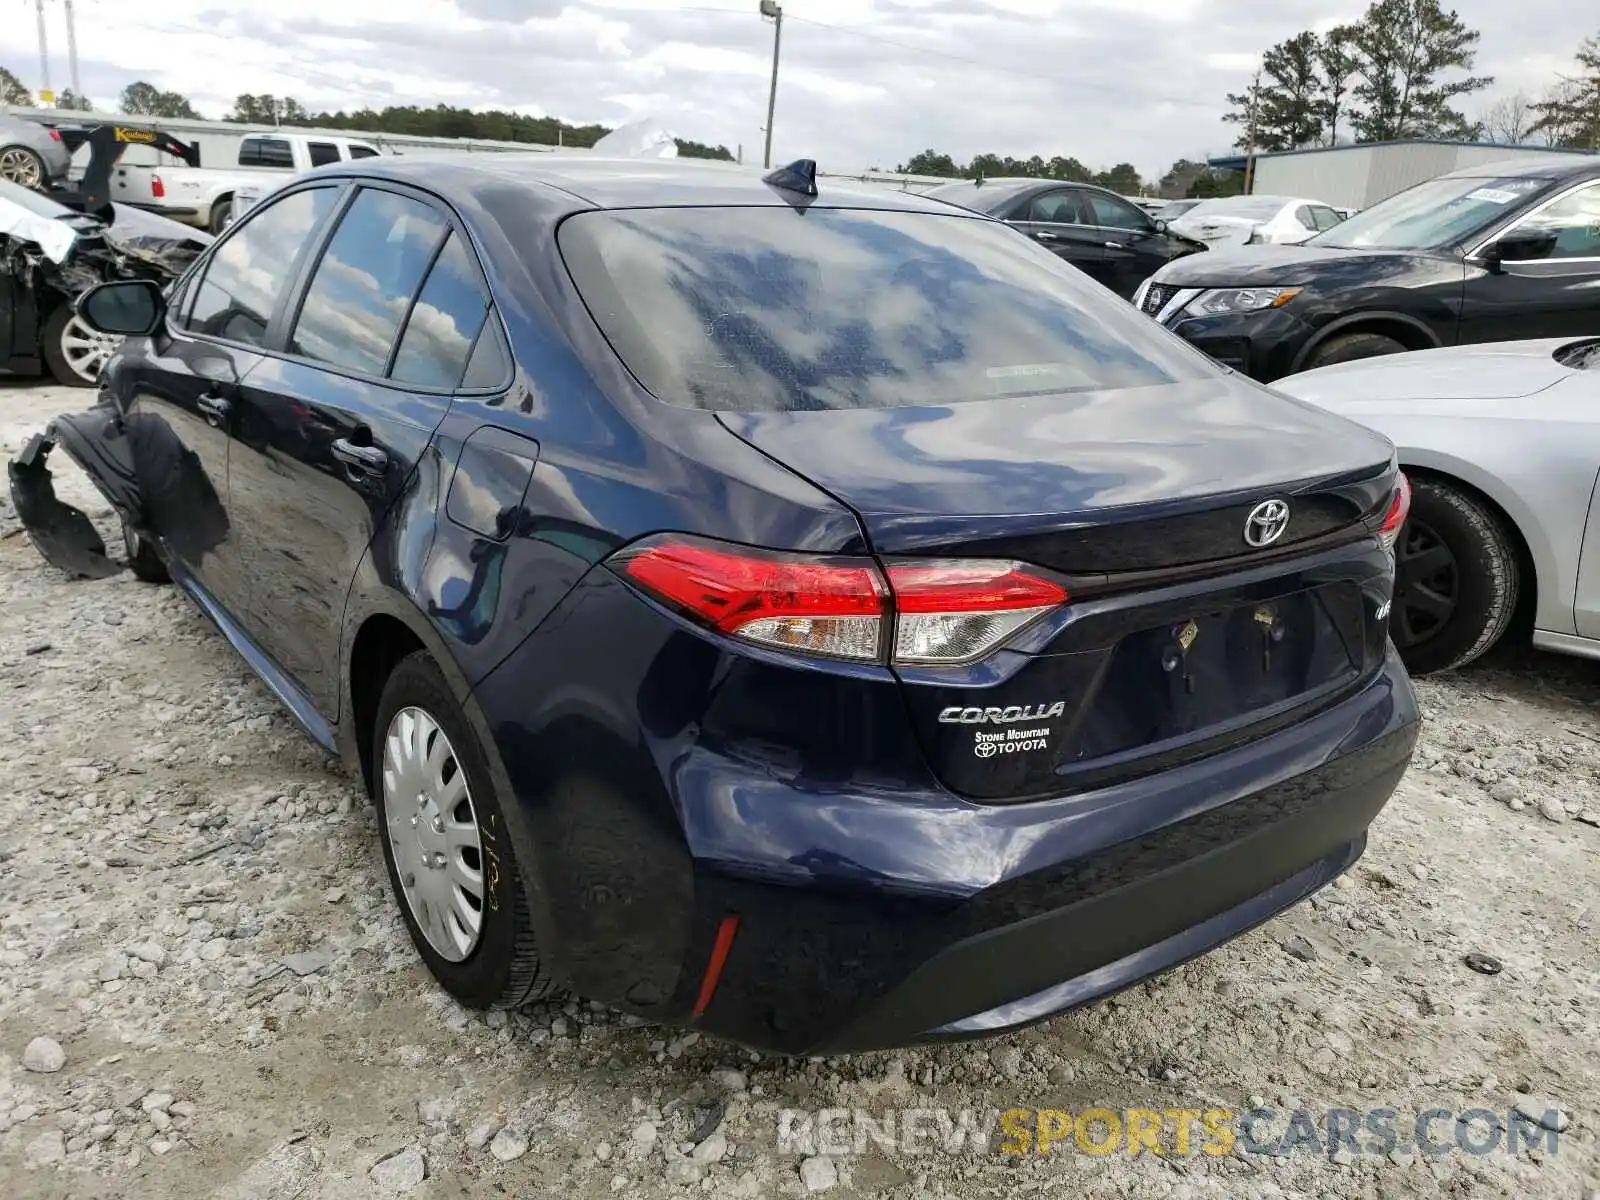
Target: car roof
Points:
(1546, 166)
(624, 183)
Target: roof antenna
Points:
(799, 176)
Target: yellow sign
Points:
(134, 135)
(47, 98)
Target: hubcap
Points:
(86, 350)
(433, 832)
(1427, 585)
(21, 166)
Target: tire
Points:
(221, 212)
(1457, 578)
(502, 968)
(23, 166)
(62, 342)
(1350, 347)
(143, 561)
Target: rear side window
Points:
(363, 152)
(366, 278)
(443, 322)
(770, 309)
(1060, 208)
(265, 152)
(322, 153)
(246, 274)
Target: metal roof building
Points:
(1359, 176)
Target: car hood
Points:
(1060, 460)
(1287, 266)
(1494, 371)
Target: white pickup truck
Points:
(204, 196)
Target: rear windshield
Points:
(776, 310)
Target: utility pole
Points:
(72, 50)
(44, 47)
(769, 8)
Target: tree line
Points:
(442, 120)
(1401, 71)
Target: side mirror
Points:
(1519, 245)
(123, 308)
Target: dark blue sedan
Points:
(818, 616)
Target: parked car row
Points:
(1501, 437)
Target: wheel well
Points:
(380, 644)
(1410, 336)
(1528, 600)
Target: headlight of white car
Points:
(1219, 302)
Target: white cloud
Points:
(1100, 80)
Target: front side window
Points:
(1111, 213)
(246, 274)
(1570, 227)
(444, 321)
(363, 152)
(771, 310)
(1058, 208)
(366, 278)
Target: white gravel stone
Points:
(43, 1055)
(149, 952)
(478, 1136)
(602, 1151)
(1552, 808)
(509, 1145)
(713, 1150)
(45, 1149)
(402, 1172)
(156, 1101)
(818, 1173)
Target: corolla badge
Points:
(1266, 523)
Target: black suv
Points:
(1097, 231)
(1485, 254)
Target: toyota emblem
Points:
(1266, 523)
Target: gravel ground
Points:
(205, 990)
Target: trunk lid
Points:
(1179, 637)
(1094, 482)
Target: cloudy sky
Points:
(863, 82)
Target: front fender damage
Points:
(61, 532)
(154, 483)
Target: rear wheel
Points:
(1350, 347)
(1456, 579)
(22, 165)
(446, 845)
(221, 215)
(74, 353)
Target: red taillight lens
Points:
(55, 135)
(1399, 507)
(943, 612)
(819, 606)
(954, 611)
(157, 188)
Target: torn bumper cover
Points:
(147, 476)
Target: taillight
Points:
(1395, 517)
(945, 611)
(157, 188)
(55, 135)
(832, 607)
(954, 611)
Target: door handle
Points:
(214, 407)
(1115, 246)
(1044, 235)
(368, 460)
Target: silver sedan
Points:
(1501, 443)
(31, 154)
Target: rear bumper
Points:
(173, 212)
(874, 907)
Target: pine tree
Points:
(1402, 48)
